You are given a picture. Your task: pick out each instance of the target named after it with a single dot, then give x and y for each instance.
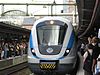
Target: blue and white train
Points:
(52, 46)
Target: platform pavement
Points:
(12, 61)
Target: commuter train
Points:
(52, 46)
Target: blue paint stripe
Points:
(32, 45)
(31, 41)
(71, 41)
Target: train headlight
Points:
(67, 51)
(33, 51)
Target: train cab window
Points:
(51, 34)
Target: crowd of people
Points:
(12, 48)
(90, 52)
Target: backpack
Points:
(87, 65)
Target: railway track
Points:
(13, 69)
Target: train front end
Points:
(52, 46)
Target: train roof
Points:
(53, 18)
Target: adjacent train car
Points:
(52, 46)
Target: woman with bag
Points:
(87, 60)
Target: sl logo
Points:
(49, 50)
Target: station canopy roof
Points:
(88, 17)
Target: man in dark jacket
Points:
(96, 51)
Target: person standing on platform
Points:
(87, 60)
(6, 49)
(0, 52)
(96, 52)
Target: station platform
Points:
(12, 63)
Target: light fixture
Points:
(51, 22)
(54, 2)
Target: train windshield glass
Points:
(51, 34)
